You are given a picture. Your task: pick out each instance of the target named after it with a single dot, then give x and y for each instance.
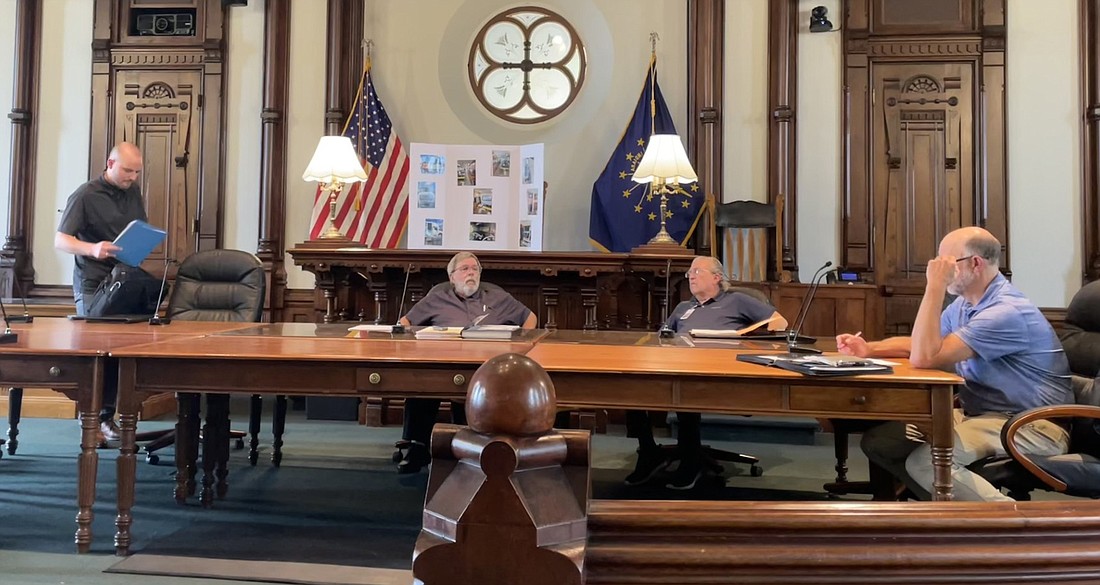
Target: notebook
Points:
(137, 242)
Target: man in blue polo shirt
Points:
(714, 306)
(998, 342)
(466, 301)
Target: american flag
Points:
(374, 212)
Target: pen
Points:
(858, 334)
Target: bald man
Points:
(993, 337)
(94, 216)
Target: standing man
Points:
(94, 216)
(465, 302)
(714, 306)
(998, 342)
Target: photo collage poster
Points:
(476, 197)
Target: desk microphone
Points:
(156, 319)
(666, 332)
(26, 316)
(792, 334)
(398, 327)
(8, 336)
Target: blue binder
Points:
(137, 242)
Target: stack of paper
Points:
(504, 332)
(434, 332)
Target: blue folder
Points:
(137, 242)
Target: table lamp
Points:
(334, 163)
(664, 163)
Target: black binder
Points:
(818, 365)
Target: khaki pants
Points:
(902, 450)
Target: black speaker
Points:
(228, 3)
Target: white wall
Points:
(1044, 149)
(7, 31)
(745, 116)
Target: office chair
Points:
(739, 237)
(217, 285)
(1077, 472)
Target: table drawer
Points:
(44, 371)
(856, 400)
(411, 381)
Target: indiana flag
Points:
(625, 214)
(374, 212)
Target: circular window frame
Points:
(478, 49)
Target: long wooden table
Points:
(72, 357)
(589, 369)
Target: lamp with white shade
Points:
(664, 163)
(334, 163)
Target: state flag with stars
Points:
(625, 214)
(375, 212)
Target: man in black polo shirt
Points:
(95, 215)
(714, 306)
(467, 301)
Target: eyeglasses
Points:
(467, 269)
(963, 259)
(697, 271)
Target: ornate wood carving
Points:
(783, 23)
(273, 142)
(16, 258)
(1090, 137)
(706, 75)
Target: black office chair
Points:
(218, 285)
(1077, 472)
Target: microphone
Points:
(8, 336)
(156, 318)
(399, 328)
(665, 332)
(792, 334)
(26, 316)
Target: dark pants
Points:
(688, 437)
(110, 376)
(420, 416)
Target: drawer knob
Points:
(860, 400)
(459, 379)
(55, 371)
(375, 377)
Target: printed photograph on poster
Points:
(532, 202)
(528, 170)
(467, 172)
(502, 163)
(483, 231)
(433, 232)
(483, 201)
(432, 164)
(525, 234)
(425, 194)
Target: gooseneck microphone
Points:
(792, 334)
(8, 336)
(398, 327)
(26, 316)
(156, 319)
(665, 331)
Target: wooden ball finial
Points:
(510, 394)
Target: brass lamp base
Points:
(672, 249)
(332, 232)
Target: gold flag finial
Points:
(368, 44)
(653, 38)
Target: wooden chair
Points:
(739, 237)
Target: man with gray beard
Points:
(468, 301)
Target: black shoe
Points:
(650, 462)
(416, 457)
(685, 476)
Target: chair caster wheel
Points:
(239, 444)
(152, 459)
(756, 471)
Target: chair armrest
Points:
(1008, 435)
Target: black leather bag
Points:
(126, 291)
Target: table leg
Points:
(255, 409)
(187, 431)
(127, 454)
(278, 426)
(15, 412)
(89, 399)
(943, 439)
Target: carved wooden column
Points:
(343, 61)
(507, 497)
(1090, 136)
(16, 256)
(273, 142)
(782, 94)
(706, 79)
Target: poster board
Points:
(475, 197)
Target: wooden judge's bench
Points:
(567, 290)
